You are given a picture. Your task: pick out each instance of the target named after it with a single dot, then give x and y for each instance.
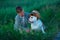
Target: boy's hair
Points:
(18, 9)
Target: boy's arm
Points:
(17, 23)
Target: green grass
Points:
(49, 12)
(47, 16)
(7, 33)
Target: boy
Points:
(21, 19)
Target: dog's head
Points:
(34, 16)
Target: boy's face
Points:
(21, 13)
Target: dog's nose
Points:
(29, 21)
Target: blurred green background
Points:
(50, 15)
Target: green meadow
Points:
(49, 12)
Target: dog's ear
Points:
(37, 15)
(31, 14)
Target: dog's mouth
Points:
(31, 22)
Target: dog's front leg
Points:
(42, 29)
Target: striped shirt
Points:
(21, 22)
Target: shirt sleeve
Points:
(17, 23)
(27, 14)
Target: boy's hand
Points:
(27, 30)
(20, 30)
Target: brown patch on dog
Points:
(35, 14)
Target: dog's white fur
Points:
(36, 24)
